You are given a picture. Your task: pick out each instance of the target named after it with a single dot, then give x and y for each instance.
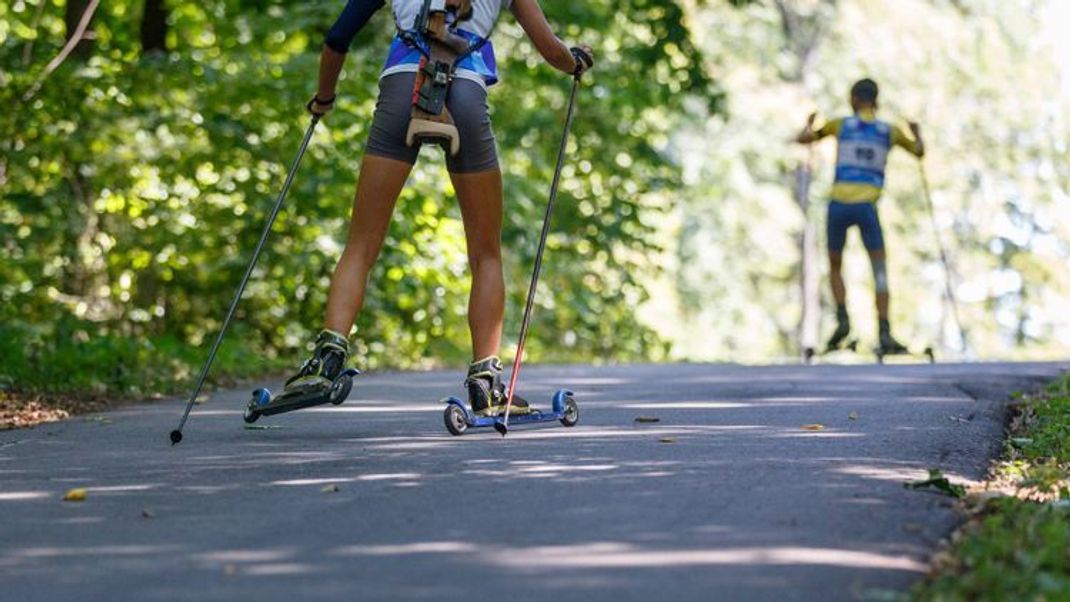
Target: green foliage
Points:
(1017, 548)
(135, 186)
(1017, 552)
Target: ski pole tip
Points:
(176, 437)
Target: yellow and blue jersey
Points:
(862, 155)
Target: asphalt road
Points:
(726, 498)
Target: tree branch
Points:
(72, 42)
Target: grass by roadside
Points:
(49, 378)
(1016, 545)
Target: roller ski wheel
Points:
(261, 398)
(572, 412)
(340, 389)
(455, 419)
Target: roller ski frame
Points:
(809, 353)
(458, 418)
(262, 403)
(926, 353)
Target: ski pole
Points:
(948, 288)
(176, 435)
(503, 426)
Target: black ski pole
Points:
(176, 435)
(503, 425)
(948, 288)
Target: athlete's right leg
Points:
(836, 234)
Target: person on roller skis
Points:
(863, 143)
(433, 88)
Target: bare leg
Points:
(877, 259)
(839, 291)
(378, 187)
(480, 198)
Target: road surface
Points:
(727, 497)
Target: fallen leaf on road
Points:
(852, 416)
(913, 527)
(146, 513)
(646, 419)
(332, 488)
(202, 398)
(262, 427)
(939, 482)
(813, 427)
(75, 495)
(667, 440)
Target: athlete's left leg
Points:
(873, 237)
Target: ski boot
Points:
(323, 378)
(888, 345)
(486, 392)
(843, 330)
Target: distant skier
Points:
(862, 154)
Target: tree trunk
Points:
(810, 318)
(73, 15)
(154, 27)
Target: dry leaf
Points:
(332, 488)
(75, 495)
(667, 440)
(146, 513)
(813, 427)
(646, 419)
(852, 416)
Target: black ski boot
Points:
(327, 362)
(890, 346)
(843, 329)
(486, 392)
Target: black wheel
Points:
(572, 413)
(340, 390)
(455, 420)
(250, 415)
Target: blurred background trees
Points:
(136, 172)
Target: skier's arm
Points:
(531, 18)
(354, 17)
(912, 143)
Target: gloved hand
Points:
(320, 107)
(584, 58)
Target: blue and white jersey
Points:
(480, 66)
(863, 152)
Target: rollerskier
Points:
(862, 155)
(433, 89)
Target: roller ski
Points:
(839, 341)
(487, 403)
(888, 346)
(322, 379)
